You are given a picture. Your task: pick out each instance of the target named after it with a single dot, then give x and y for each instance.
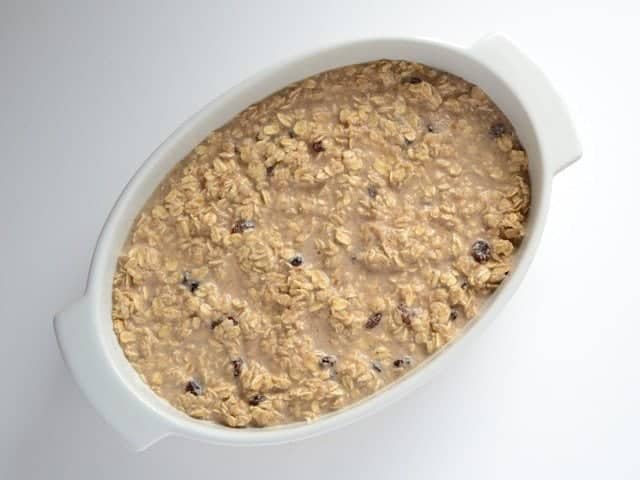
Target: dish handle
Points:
(551, 118)
(98, 379)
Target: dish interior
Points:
(322, 244)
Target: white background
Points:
(89, 89)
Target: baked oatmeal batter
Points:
(321, 245)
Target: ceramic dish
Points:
(85, 330)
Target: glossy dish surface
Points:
(85, 330)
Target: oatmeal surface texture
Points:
(322, 244)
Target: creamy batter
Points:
(322, 244)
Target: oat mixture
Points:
(322, 244)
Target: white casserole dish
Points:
(85, 333)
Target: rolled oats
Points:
(321, 244)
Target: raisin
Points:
(406, 314)
(402, 362)
(237, 364)
(193, 387)
(372, 191)
(412, 79)
(270, 170)
(373, 320)
(328, 361)
(317, 146)
(296, 261)
(256, 399)
(497, 130)
(480, 251)
(430, 128)
(189, 282)
(242, 226)
(376, 366)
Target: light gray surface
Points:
(86, 92)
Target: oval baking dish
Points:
(85, 330)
